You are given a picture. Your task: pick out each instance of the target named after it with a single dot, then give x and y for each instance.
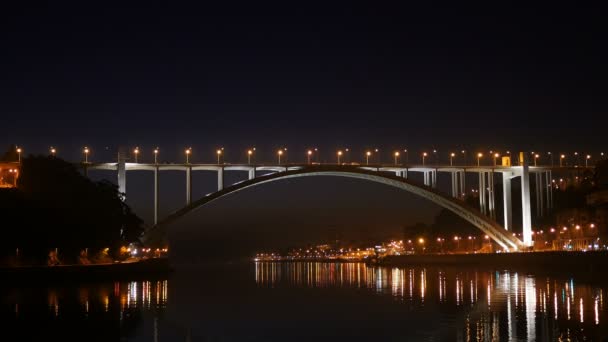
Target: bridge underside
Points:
(158, 233)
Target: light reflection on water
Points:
(333, 301)
(500, 305)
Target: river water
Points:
(304, 301)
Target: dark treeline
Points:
(56, 207)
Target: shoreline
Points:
(147, 268)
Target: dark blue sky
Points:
(331, 76)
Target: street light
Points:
(587, 159)
(396, 157)
(188, 152)
(496, 155)
(280, 153)
(561, 158)
(479, 155)
(407, 159)
(551, 157)
(19, 153)
(249, 153)
(424, 157)
(367, 154)
(535, 158)
(156, 155)
(308, 155)
(339, 155)
(86, 154)
(219, 154)
(136, 152)
(53, 151)
(452, 155)
(436, 157)
(464, 156)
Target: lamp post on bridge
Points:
(536, 158)
(339, 155)
(561, 158)
(496, 155)
(407, 161)
(452, 155)
(424, 154)
(479, 155)
(136, 153)
(156, 155)
(396, 157)
(249, 153)
(308, 155)
(587, 159)
(464, 156)
(367, 154)
(550, 157)
(280, 153)
(219, 154)
(86, 154)
(53, 152)
(188, 152)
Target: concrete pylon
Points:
(526, 210)
(506, 195)
(121, 169)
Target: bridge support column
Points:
(426, 178)
(549, 190)
(122, 173)
(525, 204)
(539, 195)
(482, 192)
(463, 189)
(506, 198)
(188, 185)
(155, 195)
(491, 199)
(252, 173)
(454, 176)
(434, 179)
(220, 179)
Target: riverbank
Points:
(586, 264)
(142, 269)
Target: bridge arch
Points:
(158, 233)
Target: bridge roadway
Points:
(487, 202)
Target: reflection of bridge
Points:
(393, 175)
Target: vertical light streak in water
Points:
(440, 287)
(411, 284)
(530, 293)
(165, 285)
(568, 305)
(106, 303)
(489, 294)
(555, 302)
(457, 290)
(581, 310)
(422, 285)
(516, 289)
(597, 313)
(472, 290)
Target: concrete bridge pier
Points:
(188, 185)
(121, 169)
(251, 173)
(482, 193)
(220, 179)
(156, 204)
(491, 197)
(525, 201)
(506, 196)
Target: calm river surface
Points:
(307, 301)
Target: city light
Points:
(136, 153)
(396, 157)
(53, 151)
(86, 154)
(249, 154)
(367, 154)
(188, 152)
(339, 155)
(308, 155)
(219, 154)
(156, 155)
(479, 155)
(279, 153)
(424, 154)
(452, 155)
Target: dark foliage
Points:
(57, 207)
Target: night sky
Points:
(298, 76)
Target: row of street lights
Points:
(341, 153)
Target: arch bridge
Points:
(392, 175)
